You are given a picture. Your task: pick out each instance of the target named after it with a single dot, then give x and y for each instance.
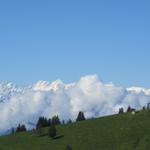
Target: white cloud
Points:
(89, 94)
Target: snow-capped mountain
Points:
(89, 94)
(46, 86)
(139, 90)
(7, 90)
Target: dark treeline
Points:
(55, 120)
(133, 110)
(52, 122)
(44, 122)
(21, 128)
(48, 122)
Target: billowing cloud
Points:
(89, 94)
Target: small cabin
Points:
(131, 109)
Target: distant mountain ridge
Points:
(90, 94)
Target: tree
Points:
(80, 116)
(144, 108)
(63, 121)
(52, 131)
(44, 122)
(18, 128)
(49, 122)
(68, 147)
(69, 121)
(21, 128)
(39, 130)
(121, 110)
(12, 131)
(129, 109)
(55, 120)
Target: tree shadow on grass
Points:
(58, 137)
(55, 138)
(42, 135)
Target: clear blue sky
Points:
(66, 39)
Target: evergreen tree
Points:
(39, 123)
(121, 111)
(80, 116)
(52, 131)
(18, 128)
(44, 122)
(144, 108)
(49, 122)
(21, 128)
(56, 120)
(12, 131)
(129, 109)
(63, 121)
(69, 121)
(39, 130)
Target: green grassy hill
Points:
(118, 132)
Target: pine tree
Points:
(129, 109)
(39, 130)
(21, 128)
(69, 121)
(52, 131)
(49, 122)
(12, 131)
(121, 111)
(56, 120)
(81, 116)
(63, 121)
(44, 122)
(18, 128)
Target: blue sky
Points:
(47, 40)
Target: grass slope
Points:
(118, 132)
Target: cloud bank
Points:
(90, 94)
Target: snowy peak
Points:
(46, 86)
(138, 90)
(7, 90)
(90, 94)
